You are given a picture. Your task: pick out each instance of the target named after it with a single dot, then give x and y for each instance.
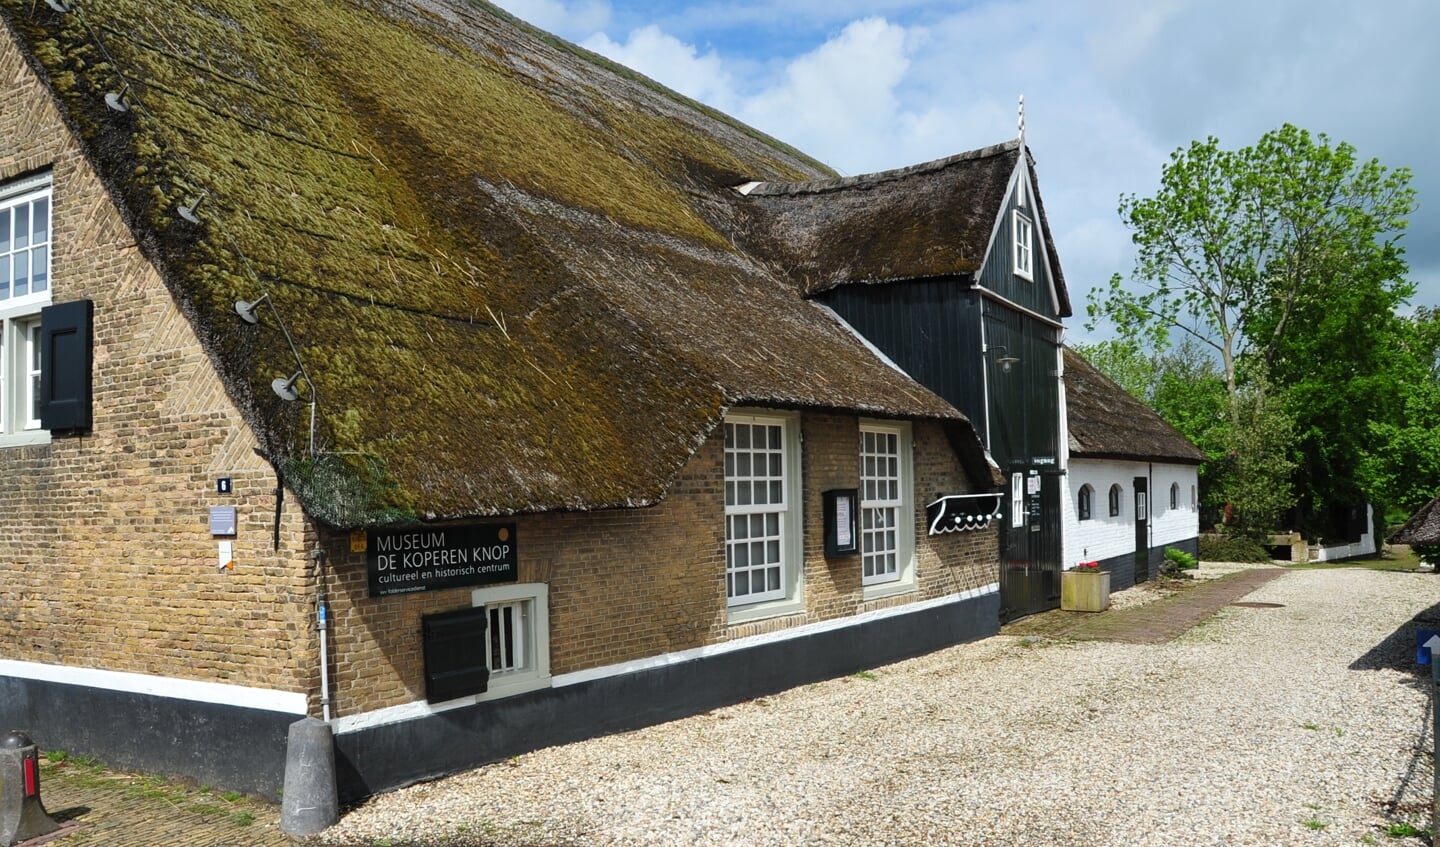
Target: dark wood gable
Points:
(1037, 294)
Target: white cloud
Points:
(666, 58)
(569, 20)
(841, 95)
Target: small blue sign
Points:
(1422, 653)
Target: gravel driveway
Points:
(1305, 723)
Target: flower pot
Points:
(1084, 591)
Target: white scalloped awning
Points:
(961, 512)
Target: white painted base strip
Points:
(245, 697)
(419, 709)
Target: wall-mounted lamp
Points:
(1004, 360)
(119, 100)
(187, 210)
(246, 309)
(60, 6)
(285, 388)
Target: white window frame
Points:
(1024, 247)
(1174, 496)
(896, 512)
(1115, 501)
(1085, 502)
(20, 320)
(788, 597)
(1017, 500)
(532, 601)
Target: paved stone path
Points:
(1152, 623)
(125, 810)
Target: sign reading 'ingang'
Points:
(405, 561)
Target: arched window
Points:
(1174, 495)
(1087, 494)
(1115, 501)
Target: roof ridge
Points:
(822, 185)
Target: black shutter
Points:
(455, 649)
(65, 358)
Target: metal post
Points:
(1434, 646)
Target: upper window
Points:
(1087, 494)
(24, 291)
(1115, 495)
(761, 510)
(1024, 250)
(1174, 495)
(887, 515)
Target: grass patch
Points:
(1405, 829)
(1315, 824)
(1400, 559)
(866, 675)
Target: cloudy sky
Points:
(1111, 88)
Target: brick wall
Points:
(630, 584)
(106, 560)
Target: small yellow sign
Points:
(357, 541)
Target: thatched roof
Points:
(1107, 422)
(507, 264)
(929, 220)
(1422, 528)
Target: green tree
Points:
(1282, 258)
(1400, 463)
(1235, 242)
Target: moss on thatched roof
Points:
(1107, 422)
(1422, 528)
(930, 220)
(507, 264)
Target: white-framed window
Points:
(887, 511)
(1116, 495)
(1194, 502)
(1174, 496)
(1024, 246)
(762, 517)
(25, 245)
(1084, 502)
(517, 635)
(1017, 500)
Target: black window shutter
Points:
(455, 648)
(66, 353)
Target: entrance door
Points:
(1030, 576)
(1142, 529)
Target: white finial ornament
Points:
(1020, 118)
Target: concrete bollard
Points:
(22, 816)
(311, 802)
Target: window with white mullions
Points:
(24, 292)
(517, 633)
(880, 505)
(755, 510)
(508, 647)
(1024, 249)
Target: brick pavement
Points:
(1152, 623)
(125, 810)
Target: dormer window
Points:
(1024, 251)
